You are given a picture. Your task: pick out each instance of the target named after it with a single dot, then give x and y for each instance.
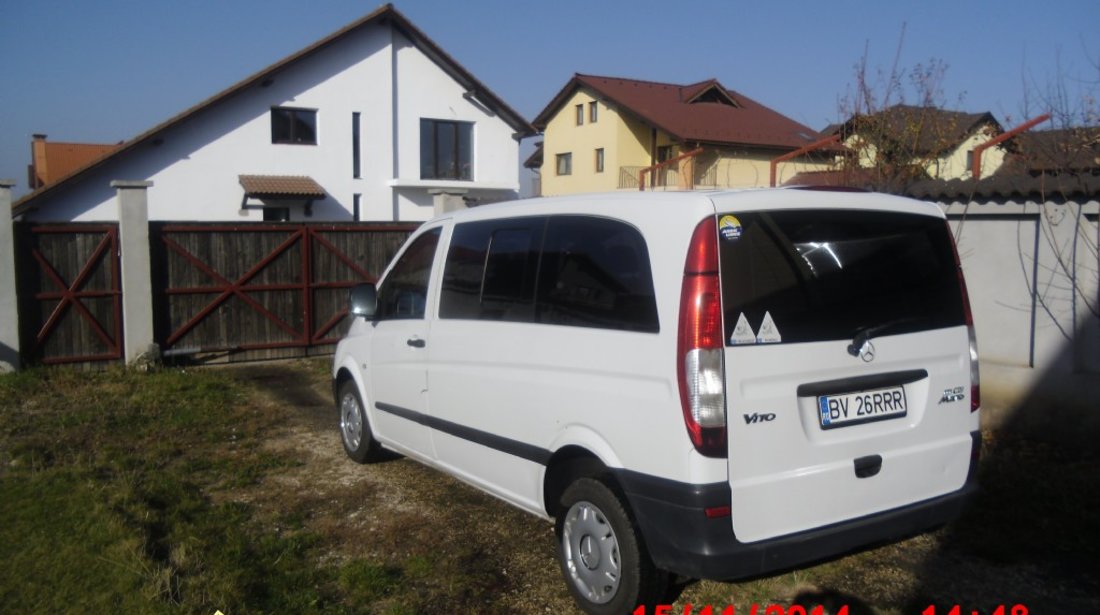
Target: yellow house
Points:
(934, 141)
(605, 133)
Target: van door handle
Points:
(868, 466)
(416, 342)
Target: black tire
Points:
(355, 432)
(602, 557)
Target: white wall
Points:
(997, 248)
(425, 91)
(195, 167)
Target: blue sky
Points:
(107, 70)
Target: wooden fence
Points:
(69, 292)
(256, 291)
(220, 292)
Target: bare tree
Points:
(1066, 163)
(896, 122)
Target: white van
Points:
(713, 385)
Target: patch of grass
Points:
(109, 482)
(365, 582)
(61, 546)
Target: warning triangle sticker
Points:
(768, 333)
(742, 332)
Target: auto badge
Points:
(867, 351)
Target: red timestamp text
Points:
(1001, 609)
(729, 609)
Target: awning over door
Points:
(277, 192)
(281, 186)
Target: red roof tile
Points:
(704, 112)
(51, 160)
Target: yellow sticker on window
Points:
(729, 227)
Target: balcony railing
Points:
(668, 177)
(628, 177)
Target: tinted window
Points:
(595, 273)
(446, 149)
(404, 292)
(826, 275)
(290, 125)
(491, 269)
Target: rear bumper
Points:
(682, 539)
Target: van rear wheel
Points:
(602, 557)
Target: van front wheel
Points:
(602, 557)
(355, 433)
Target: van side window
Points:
(595, 273)
(404, 292)
(490, 270)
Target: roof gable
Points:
(709, 91)
(384, 15)
(704, 112)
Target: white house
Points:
(371, 123)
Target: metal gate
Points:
(251, 291)
(70, 292)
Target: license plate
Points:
(862, 407)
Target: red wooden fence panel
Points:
(249, 291)
(70, 308)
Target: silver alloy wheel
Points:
(351, 421)
(591, 552)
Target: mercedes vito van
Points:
(713, 385)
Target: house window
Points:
(446, 150)
(593, 113)
(355, 203)
(565, 164)
(664, 152)
(580, 115)
(599, 160)
(296, 126)
(969, 160)
(276, 214)
(355, 166)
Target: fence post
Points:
(9, 306)
(137, 282)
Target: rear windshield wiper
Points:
(865, 334)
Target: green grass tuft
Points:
(113, 500)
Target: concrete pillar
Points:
(447, 200)
(137, 282)
(9, 306)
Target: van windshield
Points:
(817, 275)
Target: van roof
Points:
(697, 203)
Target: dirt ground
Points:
(399, 509)
(474, 549)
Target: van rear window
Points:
(829, 274)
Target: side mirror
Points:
(362, 300)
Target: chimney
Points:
(36, 177)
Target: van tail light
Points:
(975, 379)
(699, 345)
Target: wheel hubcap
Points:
(351, 421)
(591, 552)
